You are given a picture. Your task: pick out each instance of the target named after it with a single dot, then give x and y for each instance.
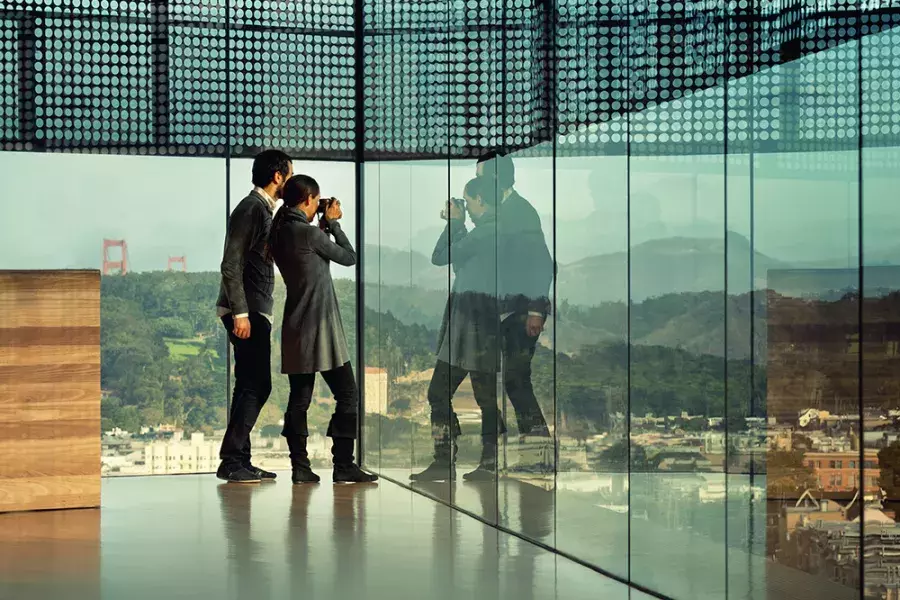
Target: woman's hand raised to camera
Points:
(452, 212)
(334, 212)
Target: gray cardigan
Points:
(312, 334)
(470, 330)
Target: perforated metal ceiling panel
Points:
(442, 78)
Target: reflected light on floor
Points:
(195, 537)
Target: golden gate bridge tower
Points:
(111, 267)
(177, 260)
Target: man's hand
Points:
(242, 327)
(334, 212)
(534, 325)
(452, 212)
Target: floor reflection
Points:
(248, 575)
(190, 537)
(299, 550)
(50, 554)
(505, 565)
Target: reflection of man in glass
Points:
(468, 342)
(525, 272)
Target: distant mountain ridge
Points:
(390, 266)
(664, 266)
(658, 267)
(694, 322)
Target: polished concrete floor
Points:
(195, 537)
(677, 562)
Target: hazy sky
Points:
(799, 216)
(58, 208)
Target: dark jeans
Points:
(518, 351)
(342, 384)
(252, 386)
(444, 383)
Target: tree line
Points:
(163, 354)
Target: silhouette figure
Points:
(469, 339)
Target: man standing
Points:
(245, 306)
(525, 272)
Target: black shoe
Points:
(345, 470)
(538, 434)
(481, 473)
(350, 473)
(263, 475)
(436, 471)
(304, 475)
(236, 474)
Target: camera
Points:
(460, 204)
(324, 203)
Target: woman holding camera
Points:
(468, 342)
(312, 335)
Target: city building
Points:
(827, 442)
(780, 438)
(182, 456)
(714, 442)
(377, 395)
(840, 471)
(826, 545)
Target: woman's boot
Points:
(297, 433)
(443, 467)
(301, 469)
(487, 466)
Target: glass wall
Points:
(155, 227)
(657, 335)
(336, 179)
(405, 297)
(162, 98)
(714, 367)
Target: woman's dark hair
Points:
(296, 191)
(484, 188)
(267, 163)
(298, 188)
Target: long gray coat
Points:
(470, 330)
(312, 335)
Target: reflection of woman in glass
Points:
(469, 337)
(312, 335)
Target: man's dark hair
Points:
(483, 188)
(499, 167)
(267, 163)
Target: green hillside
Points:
(163, 353)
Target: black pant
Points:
(252, 386)
(444, 383)
(518, 351)
(342, 383)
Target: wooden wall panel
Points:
(49, 390)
